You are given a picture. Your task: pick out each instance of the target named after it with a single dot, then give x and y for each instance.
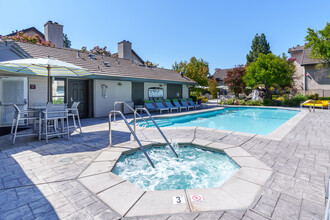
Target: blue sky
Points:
(163, 32)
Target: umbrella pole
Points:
(48, 89)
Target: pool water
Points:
(194, 168)
(248, 120)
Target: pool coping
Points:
(128, 200)
(277, 135)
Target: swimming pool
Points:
(194, 168)
(242, 119)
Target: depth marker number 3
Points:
(179, 199)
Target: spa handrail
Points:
(122, 102)
(132, 132)
(160, 131)
(308, 102)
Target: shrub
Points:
(324, 98)
(257, 103)
(203, 99)
(268, 102)
(230, 101)
(313, 96)
(241, 102)
(277, 102)
(194, 97)
(249, 102)
(275, 96)
(297, 99)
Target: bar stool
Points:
(53, 113)
(74, 112)
(23, 115)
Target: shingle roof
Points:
(123, 69)
(296, 49)
(27, 30)
(305, 59)
(220, 74)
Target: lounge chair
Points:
(160, 106)
(185, 104)
(318, 103)
(178, 105)
(190, 102)
(169, 105)
(148, 104)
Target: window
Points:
(58, 91)
(155, 92)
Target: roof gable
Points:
(33, 29)
(220, 73)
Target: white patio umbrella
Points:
(222, 87)
(43, 67)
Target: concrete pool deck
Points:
(39, 180)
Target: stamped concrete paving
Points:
(39, 180)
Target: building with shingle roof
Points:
(122, 77)
(219, 75)
(309, 78)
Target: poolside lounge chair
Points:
(169, 105)
(185, 104)
(148, 104)
(159, 104)
(318, 103)
(190, 101)
(177, 104)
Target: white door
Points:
(13, 90)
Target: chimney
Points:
(54, 33)
(125, 49)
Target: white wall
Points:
(148, 85)
(115, 92)
(38, 95)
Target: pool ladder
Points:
(301, 105)
(133, 132)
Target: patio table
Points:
(40, 109)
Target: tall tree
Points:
(319, 42)
(259, 45)
(213, 87)
(270, 70)
(179, 66)
(234, 79)
(66, 41)
(195, 69)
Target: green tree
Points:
(270, 70)
(213, 87)
(259, 45)
(179, 66)
(319, 42)
(66, 41)
(196, 69)
(234, 79)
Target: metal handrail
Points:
(132, 132)
(326, 216)
(160, 131)
(122, 102)
(308, 102)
